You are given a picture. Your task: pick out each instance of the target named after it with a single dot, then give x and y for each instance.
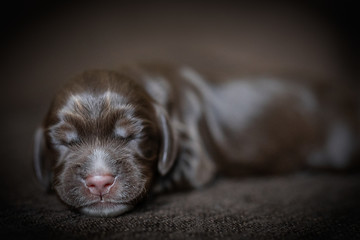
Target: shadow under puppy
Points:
(111, 137)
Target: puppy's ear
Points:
(42, 166)
(168, 147)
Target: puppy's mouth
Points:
(105, 209)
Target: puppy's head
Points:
(102, 143)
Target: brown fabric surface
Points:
(45, 45)
(292, 207)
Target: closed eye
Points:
(128, 132)
(122, 132)
(70, 143)
(65, 135)
(124, 137)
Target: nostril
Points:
(99, 184)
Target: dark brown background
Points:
(44, 44)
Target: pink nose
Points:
(99, 184)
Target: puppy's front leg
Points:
(194, 161)
(194, 167)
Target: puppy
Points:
(111, 137)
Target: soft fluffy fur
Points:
(161, 127)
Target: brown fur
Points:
(172, 134)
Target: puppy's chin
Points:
(105, 209)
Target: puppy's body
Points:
(109, 138)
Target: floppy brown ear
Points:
(168, 147)
(42, 166)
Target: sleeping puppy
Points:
(111, 137)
